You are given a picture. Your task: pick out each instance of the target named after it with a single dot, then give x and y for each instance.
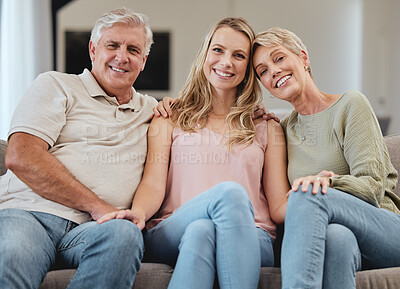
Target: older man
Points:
(77, 147)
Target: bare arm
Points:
(275, 180)
(28, 157)
(151, 191)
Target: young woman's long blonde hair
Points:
(193, 105)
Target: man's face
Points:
(118, 58)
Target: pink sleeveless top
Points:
(201, 160)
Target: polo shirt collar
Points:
(94, 90)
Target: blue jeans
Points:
(31, 243)
(213, 232)
(308, 255)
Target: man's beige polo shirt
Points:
(103, 144)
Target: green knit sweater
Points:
(346, 139)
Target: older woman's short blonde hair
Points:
(279, 36)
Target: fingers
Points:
(296, 184)
(168, 101)
(271, 115)
(325, 186)
(258, 113)
(122, 214)
(318, 181)
(107, 217)
(327, 174)
(161, 109)
(140, 224)
(164, 107)
(156, 112)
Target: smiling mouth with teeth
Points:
(116, 69)
(283, 80)
(221, 73)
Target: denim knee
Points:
(233, 196)
(199, 233)
(123, 234)
(307, 199)
(341, 244)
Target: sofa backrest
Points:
(3, 146)
(392, 142)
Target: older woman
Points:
(339, 170)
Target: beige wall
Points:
(351, 43)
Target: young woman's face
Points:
(227, 59)
(281, 71)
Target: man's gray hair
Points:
(124, 16)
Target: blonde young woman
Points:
(219, 177)
(340, 171)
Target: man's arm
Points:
(28, 158)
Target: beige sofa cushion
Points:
(393, 145)
(3, 146)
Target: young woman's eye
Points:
(218, 50)
(262, 72)
(240, 56)
(280, 58)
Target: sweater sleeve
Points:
(364, 149)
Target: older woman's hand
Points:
(261, 111)
(320, 180)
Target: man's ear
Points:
(144, 62)
(92, 50)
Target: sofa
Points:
(156, 276)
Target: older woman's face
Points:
(280, 71)
(227, 59)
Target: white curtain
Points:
(25, 51)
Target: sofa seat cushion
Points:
(388, 278)
(150, 275)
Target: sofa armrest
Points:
(3, 147)
(393, 145)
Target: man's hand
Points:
(124, 214)
(164, 107)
